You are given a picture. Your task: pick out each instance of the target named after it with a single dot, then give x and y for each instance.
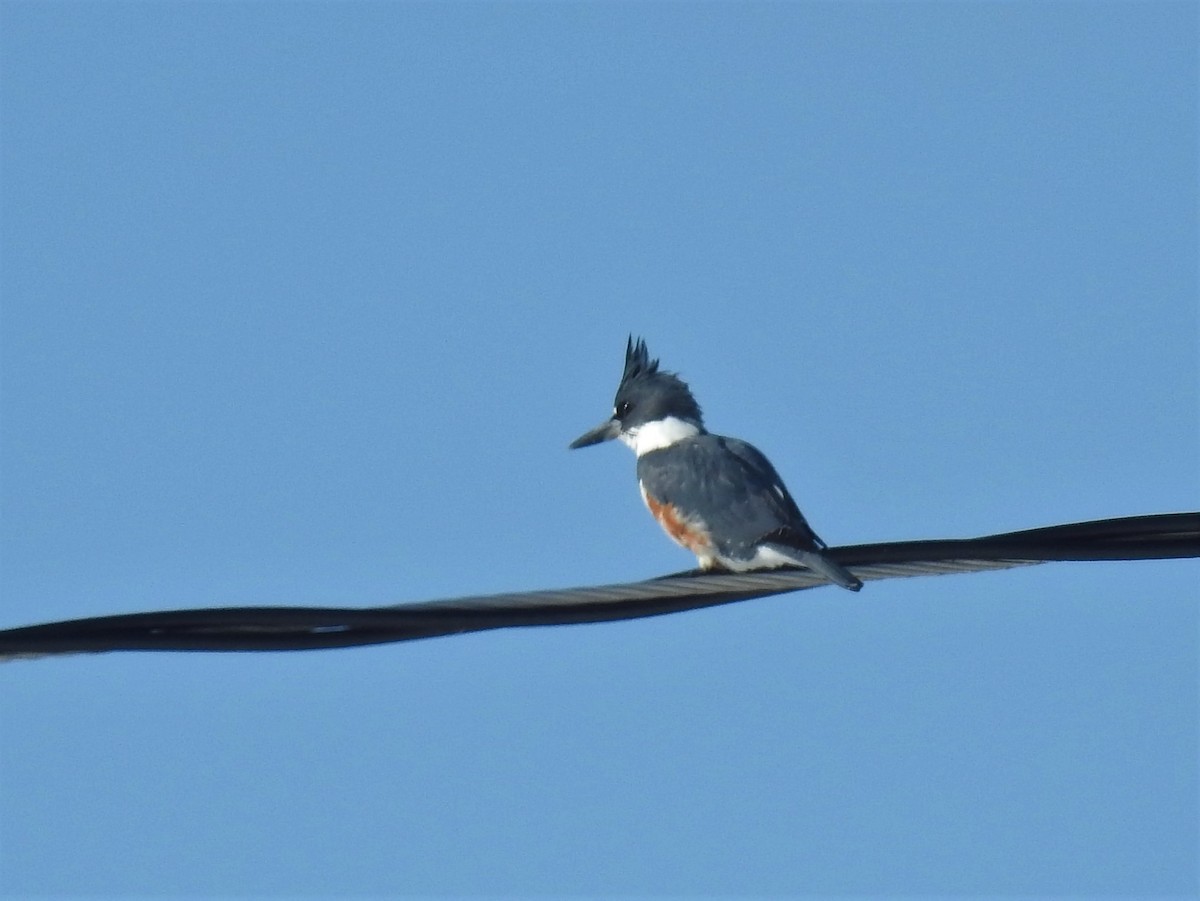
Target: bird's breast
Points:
(683, 530)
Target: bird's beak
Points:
(606, 431)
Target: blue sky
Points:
(301, 304)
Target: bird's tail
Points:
(821, 564)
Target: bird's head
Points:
(652, 409)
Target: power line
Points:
(1161, 536)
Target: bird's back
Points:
(732, 488)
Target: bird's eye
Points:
(622, 409)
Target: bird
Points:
(718, 497)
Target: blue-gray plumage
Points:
(718, 497)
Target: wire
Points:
(1162, 536)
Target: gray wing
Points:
(732, 488)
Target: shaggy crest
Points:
(637, 361)
(672, 395)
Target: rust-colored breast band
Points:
(691, 537)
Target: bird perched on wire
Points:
(718, 497)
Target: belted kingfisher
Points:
(718, 497)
